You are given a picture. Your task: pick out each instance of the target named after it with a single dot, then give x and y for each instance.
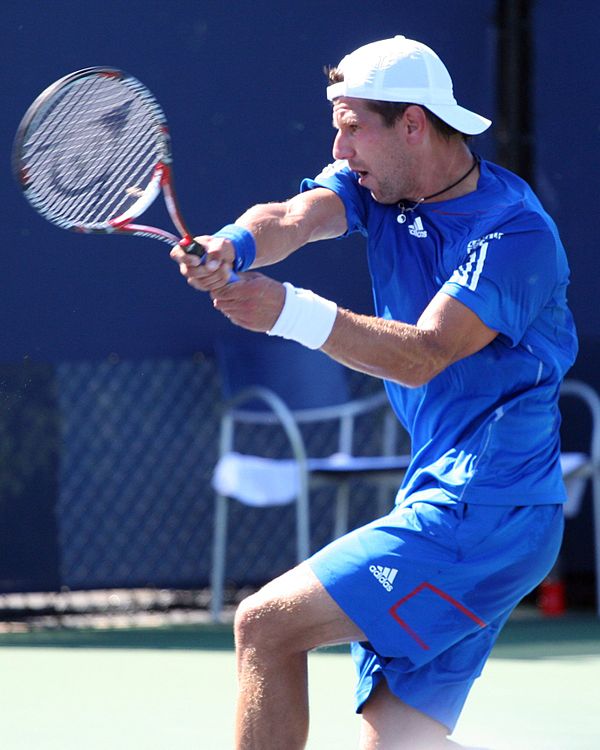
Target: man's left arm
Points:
(412, 355)
(409, 354)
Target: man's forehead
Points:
(345, 107)
(349, 102)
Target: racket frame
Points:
(161, 179)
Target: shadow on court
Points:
(540, 638)
(530, 637)
(182, 637)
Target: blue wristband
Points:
(243, 244)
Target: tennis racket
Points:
(93, 152)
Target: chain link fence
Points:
(134, 445)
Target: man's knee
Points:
(292, 615)
(259, 623)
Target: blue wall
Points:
(567, 146)
(243, 88)
(567, 155)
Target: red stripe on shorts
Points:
(441, 594)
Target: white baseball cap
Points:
(403, 70)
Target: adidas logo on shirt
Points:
(385, 576)
(417, 229)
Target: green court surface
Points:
(174, 688)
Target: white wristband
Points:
(305, 317)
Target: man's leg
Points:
(390, 724)
(274, 630)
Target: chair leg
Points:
(596, 511)
(342, 510)
(219, 553)
(302, 524)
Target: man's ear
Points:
(414, 122)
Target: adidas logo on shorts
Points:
(385, 576)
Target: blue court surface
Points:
(173, 689)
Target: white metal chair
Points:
(583, 468)
(289, 401)
(310, 388)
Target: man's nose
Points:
(342, 148)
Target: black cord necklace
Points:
(404, 209)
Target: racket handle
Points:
(192, 247)
(195, 248)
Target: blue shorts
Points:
(431, 585)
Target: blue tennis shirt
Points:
(486, 429)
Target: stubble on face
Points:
(374, 151)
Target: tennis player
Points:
(472, 335)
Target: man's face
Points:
(378, 154)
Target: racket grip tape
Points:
(191, 247)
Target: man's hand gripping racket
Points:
(93, 152)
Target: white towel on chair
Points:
(271, 481)
(256, 481)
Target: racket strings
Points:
(92, 153)
(40, 141)
(137, 158)
(106, 198)
(64, 138)
(130, 179)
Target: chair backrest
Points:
(304, 379)
(580, 409)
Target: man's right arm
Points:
(281, 228)
(278, 230)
